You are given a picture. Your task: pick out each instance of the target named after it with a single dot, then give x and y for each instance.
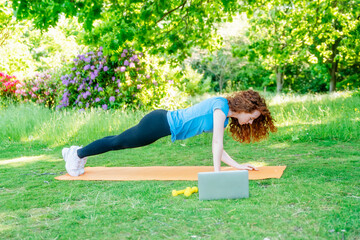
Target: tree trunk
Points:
(333, 71)
(279, 79)
(334, 64)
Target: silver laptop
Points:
(223, 185)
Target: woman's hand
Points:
(232, 163)
(247, 167)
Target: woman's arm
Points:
(218, 136)
(218, 151)
(231, 162)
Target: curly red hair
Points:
(249, 101)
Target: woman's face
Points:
(247, 118)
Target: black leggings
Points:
(151, 127)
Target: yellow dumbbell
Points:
(189, 191)
(175, 193)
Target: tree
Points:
(288, 32)
(7, 24)
(162, 27)
(333, 33)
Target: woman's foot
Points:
(73, 164)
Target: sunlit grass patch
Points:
(23, 160)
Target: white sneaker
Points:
(73, 164)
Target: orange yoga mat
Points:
(164, 173)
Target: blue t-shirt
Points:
(185, 123)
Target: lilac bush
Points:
(117, 81)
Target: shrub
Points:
(8, 86)
(42, 89)
(192, 82)
(117, 81)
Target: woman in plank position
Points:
(250, 121)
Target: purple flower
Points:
(87, 59)
(65, 82)
(99, 54)
(125, 51)
(74, 69)
(87, 67)
(105, 107)
(113, 78)
(87, 105)
(86, 94)
(75, 59)
(132, 65)
(97, 99)
(132, 59)
(106, 68)
(139, 86)
(81, 87)
(126, 63)
(112, 99)
(123, 55)
(92, 76)
(100, 66)
(101, 48)
(82, 110)
(148, 76)
(78, 73)
(117, 90)
(122, 69)
(100, 89)
(92, 67)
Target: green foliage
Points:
(306, 32)
(306, 78)
(193, 83)
(28, 50)
(169, 27)
(7, 24)
(218, 66)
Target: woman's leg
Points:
(151, 127)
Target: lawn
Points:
(318, 196)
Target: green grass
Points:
(318, 196)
